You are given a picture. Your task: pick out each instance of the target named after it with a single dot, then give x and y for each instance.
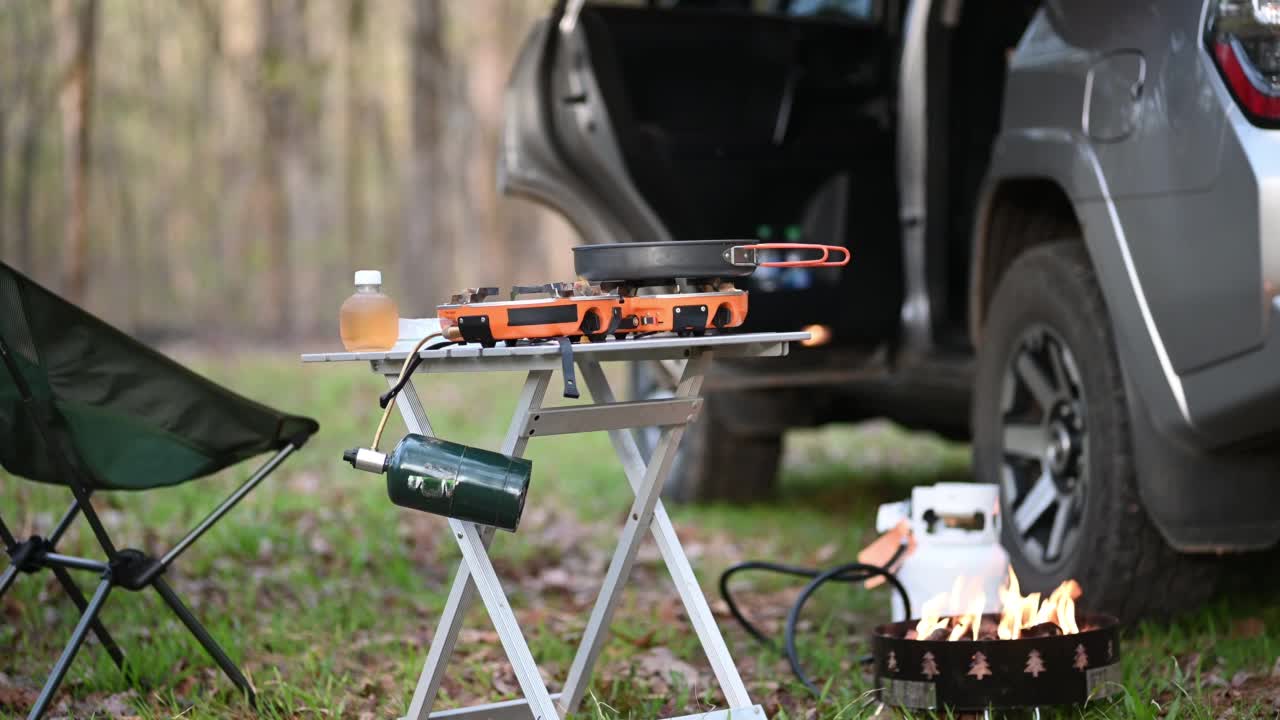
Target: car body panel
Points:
(1112, 96)
(585, 149)
(533, 163)
(1180, 214)
(1172, 210)
(913, 113)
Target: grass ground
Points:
(328, 595)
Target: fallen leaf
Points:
(304, 483)
(661, 663)
(118, 705)
(319, 546)
(504, 681)
(824, 554)
(556, 578)
(1213, 679)
(478, 636)
(1248, 628)
(17, 698)
(640, 641)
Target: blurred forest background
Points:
(214, 170)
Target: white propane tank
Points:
(956, 529)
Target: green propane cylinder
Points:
(453, 480)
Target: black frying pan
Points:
(650, 261)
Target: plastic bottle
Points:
(368, 319)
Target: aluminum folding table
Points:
(602, 413)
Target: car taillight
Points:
(1244, 37)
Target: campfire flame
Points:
(1017, 611)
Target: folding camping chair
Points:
(85, 406)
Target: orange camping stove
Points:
(580, 310)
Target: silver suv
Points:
(1065, 224)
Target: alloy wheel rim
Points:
(1044, 448)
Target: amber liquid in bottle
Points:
(368, 319)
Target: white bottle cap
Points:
(368, 277)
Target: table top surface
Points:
(650, 348)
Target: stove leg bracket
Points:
(647, 516)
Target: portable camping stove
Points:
(614, 297)
(590, 311)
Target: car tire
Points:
(1051, 427)
(713, 463)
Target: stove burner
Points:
(975, 675)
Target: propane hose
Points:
(847, 573)
(400, 381)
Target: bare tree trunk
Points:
(281, 38)
(4, 175)
(517, 225)
(488, 63)
(390, 226)
(28, 159)
(77, 32)
(426, 252)
(238, 166)
(128, 229)
(31, 34)
(353, 105)
(222, 302)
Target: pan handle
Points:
(739, 251)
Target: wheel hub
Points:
(1045, 447)
(1062, 445)
(1057, 448)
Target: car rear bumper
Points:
(1238, 400)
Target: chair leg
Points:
(11, 572)
(210, 645)
(61, 528)
(69, 652)
(77, 597)
(6, 580)
(7, 537)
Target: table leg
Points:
(504, 620)
(462, 593)
(648, 512)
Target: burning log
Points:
(1044, 629)
(1020, 615)
(939, 634)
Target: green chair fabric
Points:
(137, 419)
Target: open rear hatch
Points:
(687, 122)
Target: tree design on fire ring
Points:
(1082, 659)
(929, 668)
(979, 667)
(1035, 664)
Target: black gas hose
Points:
(846, 573)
